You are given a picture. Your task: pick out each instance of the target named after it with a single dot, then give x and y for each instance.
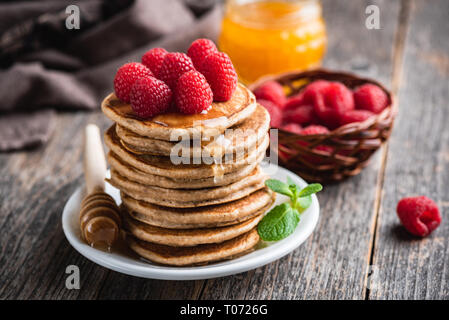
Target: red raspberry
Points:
(193, 94)
(199, 50)
(355, 116)
(339, 98)
(175, 64)
(125, 78)
(419, 215)
(153, 59)
(294, 102)
(313, 89)
(370, 97)
(292, 127)
(301, 115)
(221, 75)
(314, 129)
(274, 111)
(272, 91)
(315, 94)
(150, 97)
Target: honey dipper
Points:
(99, 215)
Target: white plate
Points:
(121, 259)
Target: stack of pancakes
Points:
(191, 187)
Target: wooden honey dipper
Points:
(100, 220)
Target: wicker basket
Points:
(352, 144)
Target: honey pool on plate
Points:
(271, 37)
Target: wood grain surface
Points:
(358, 250)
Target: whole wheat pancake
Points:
(186, 237)
(163, 166)
(233, 141)
(186, 198)
(153, 180)
(175, 126)
(203, 253)
(202, 217)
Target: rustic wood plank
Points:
(34, 254)
(418, 158)
(332, 264)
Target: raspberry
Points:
(173, 66)
(294, 102)
(149, 97)
(314, 129)
(292, 127)
(370, 97)
(199, 50)
(153, 59)
(193, 94)
(419, 215)
(310, 92)
(126, 76)
(301, 115)
(355, 116)
(330, 101)
(272, 91)
(328, 117)
(274, 111)
(221, 75)
(314, 94)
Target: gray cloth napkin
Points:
(61, 70)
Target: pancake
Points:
(200, 254)
(186, 237)
(248, 133)
(163, 166)
(202, 217)
(153, 180)
(175, 126)
(187, 198)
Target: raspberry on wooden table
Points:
(126, 76)
(193, 94)
(150, 97)
(199, 50)
(274, 111)
(221, 75)
(174, 65)
(355, 116)
(153, 59)
(419, 215)
(370, 97)
(272, 91)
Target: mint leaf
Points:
(279, 187)
(303, 203)
(310, 189)
(279, 223)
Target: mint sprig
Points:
(282, 220)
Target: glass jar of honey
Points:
(272, 36)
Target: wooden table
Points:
(358, 250)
